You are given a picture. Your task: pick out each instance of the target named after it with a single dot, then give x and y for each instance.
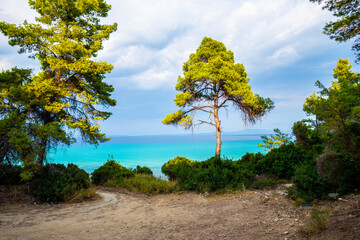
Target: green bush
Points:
(176, 165)
(57, 183)
(111, 170)
(342, 170)
(210, 175)
(10, 174)
(280, 162)
(143, 170)
(309, 184)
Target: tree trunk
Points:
(218, 132)
(42, 151)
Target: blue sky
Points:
(280, 43)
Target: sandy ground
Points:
(125, 215)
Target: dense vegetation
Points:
(325, 157)
(139, 179)
(40, 111)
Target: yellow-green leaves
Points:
(68, 90)
(178, 118)
(274, 140)
(173, 117)
(182, 98)
(211, 81)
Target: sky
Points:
(280, 42)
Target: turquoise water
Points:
(153, 151)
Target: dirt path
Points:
(126, 215)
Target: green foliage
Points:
(211, 81)
(279, 162)
(309, 184)
(57, 183)
(347, 25)
(21, 133)
(66, 93)
(10, 174)
(172, 168)
(337, 107)
(210, 175)
(340, 170)
(275, 140)
(143, 183)
(332, 140)
(112, 174)
(338, 129)
(307, 134)
(318, 222)
(143, 170)
(111, 170)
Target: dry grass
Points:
(318, 222)
(83, 195)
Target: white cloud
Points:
(284, 56)
(4, 64)
(155, 37)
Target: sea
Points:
(154, 151)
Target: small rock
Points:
(333, 195)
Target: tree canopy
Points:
(347, 26)
(66, 93)
(211, 81)
(337, 108)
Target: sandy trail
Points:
(126, 215)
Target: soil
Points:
(120, 214)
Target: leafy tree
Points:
(275, 140)
(67, 91)
(347, 26)
(307, 134)
(21, 128)
(338, 109)
(211, 81)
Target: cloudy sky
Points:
(280, 43)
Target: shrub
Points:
(309, 184)
(342, 170)
(144, 183)
(57, 183)
(210, 175)
(143, 170)
(176, 165)
(252, 162)
(111, 170)
(317, 223)
(281, 162)
(10, 174)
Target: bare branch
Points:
(204, 122)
